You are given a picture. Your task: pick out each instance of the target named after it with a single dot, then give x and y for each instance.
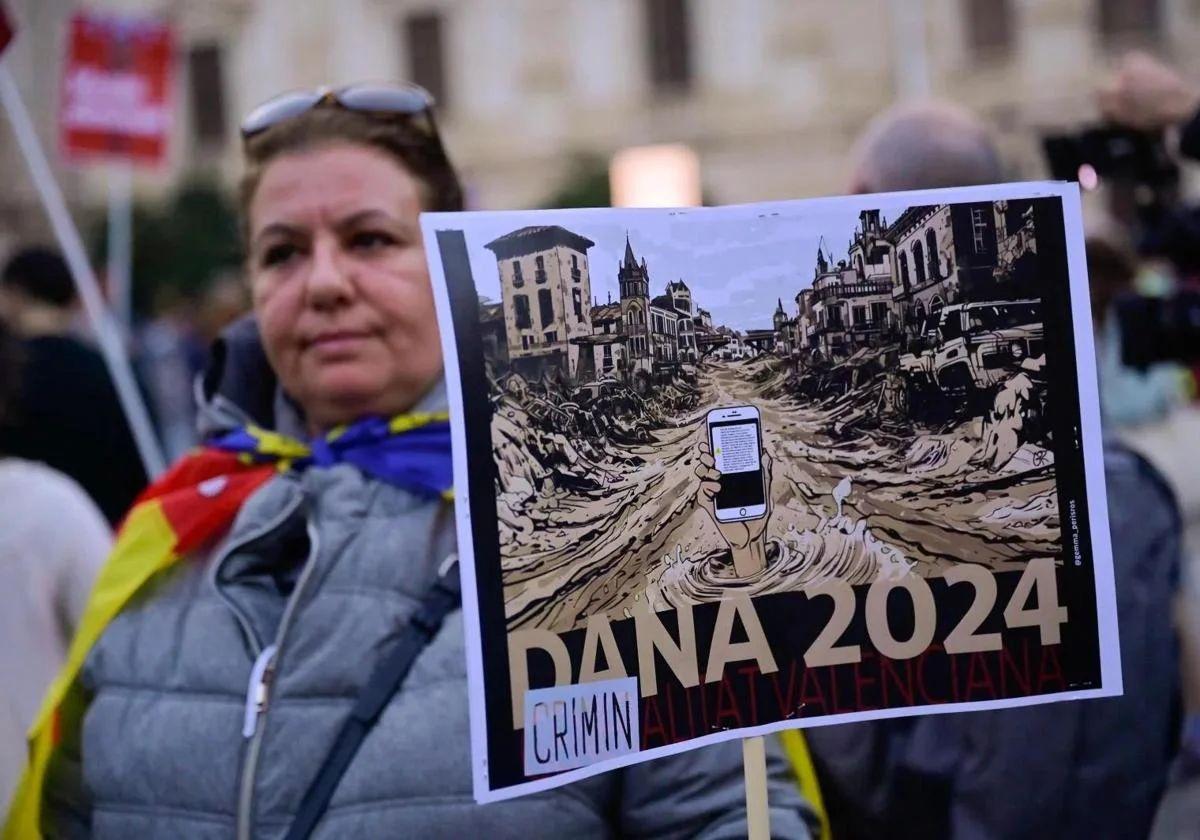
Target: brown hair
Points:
(409, 140)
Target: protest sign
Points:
(71, 243)
(116, 107)
(116, 89)
(726, 471)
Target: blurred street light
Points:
(655, 176)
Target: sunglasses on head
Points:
(391, 100)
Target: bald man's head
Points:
(925, 146)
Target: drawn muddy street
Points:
(596, 526)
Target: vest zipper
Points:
(274, 522)
(257, 689)
(262, 693)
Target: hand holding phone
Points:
(737, 497)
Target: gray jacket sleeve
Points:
(701, 793)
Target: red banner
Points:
(116, 89)
(6, 29)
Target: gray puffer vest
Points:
(326, 566)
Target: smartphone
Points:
(735, 435)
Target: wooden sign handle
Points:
(754, 762)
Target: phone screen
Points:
(738, 455)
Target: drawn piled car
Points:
(969, 347)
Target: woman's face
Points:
(340, 285)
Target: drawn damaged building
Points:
(960, 253)
(546, 297)
(897, 278)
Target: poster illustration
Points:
(726, 471)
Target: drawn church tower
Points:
(634, 280)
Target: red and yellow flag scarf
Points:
(193, 503)
(189, 507)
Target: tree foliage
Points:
(179, 245)
(585, 185)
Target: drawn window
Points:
(518, 277)
(904, 270)
(577, 297)
(918, 255)
(546, 307)
(859, 315)
(540, 269)
(932, 254)
(858, 264)
(521, 308)
(1002, 317)
(979, 229)
(951, 326)
(879, 313)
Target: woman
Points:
(217, 693)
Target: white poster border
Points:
(1093, 459)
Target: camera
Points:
(1154, 329)
(1145, 175)
(1113, 152)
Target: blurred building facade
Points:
(770, 93)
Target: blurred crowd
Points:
(1126, 767)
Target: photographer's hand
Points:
(1146, 94)
(745, 539)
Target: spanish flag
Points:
(189, 508)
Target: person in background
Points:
(1094, 768)
(923, 146)
(65, 413)
(1179, 812)
(224, 301)
(52, 541)
(214, 698)
(1146, 94)
(1128, 397)
(168, 360)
